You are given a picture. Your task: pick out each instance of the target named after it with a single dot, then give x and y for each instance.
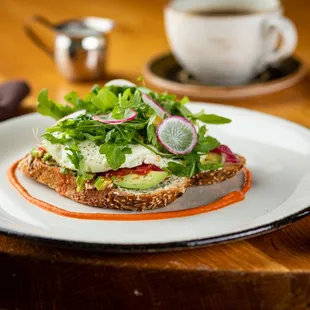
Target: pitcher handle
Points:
(34, 37)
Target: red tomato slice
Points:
(140, 170)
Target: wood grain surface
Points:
(267, 272)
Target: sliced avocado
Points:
(135, 181)
(211, 167)
(63, 170)
(211, 161)
(36, 152)
(101, 183)
(47, 157)
(211, 158)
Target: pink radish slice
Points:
(160, 111)
(177, 135)
(120, 82)
(130, 114)
(229, 156)
(72, 115)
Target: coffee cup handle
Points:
(288, 35)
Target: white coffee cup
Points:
(228, 49)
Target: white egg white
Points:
(95, 162)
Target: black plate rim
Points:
(162, 247)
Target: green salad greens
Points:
(115, 139)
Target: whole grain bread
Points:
(114, 197)
(111, 197)
(215, 176)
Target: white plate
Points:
(277, 153)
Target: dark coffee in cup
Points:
(222, 12)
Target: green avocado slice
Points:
(135, 181)
(211, 158)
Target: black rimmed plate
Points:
(277, 152)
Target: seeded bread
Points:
(111, 197)
(212, 177)
(114, 197)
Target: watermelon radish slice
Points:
(228, 155)
(120, 82)
(130, 114)
(73, 115)
(160, 111)
(177, 135)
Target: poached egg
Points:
(96, 162)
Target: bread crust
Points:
(216, 176)
(114, 197)
(110, 198)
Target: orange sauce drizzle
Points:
(227, 200)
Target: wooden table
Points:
(267, 272)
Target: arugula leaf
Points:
(118, 112)
(136, 99)
(76, 158)
(211, 118)
(50, 108)
(79, 104)
(88, 98)
(151, 130)
(151, 135)
(174, 107)
(137, 124)
(111, 135)
(72, 97)
(126, 134)
(95, 89)
(115, 154)
(184, 100)
(205, 144)
(104, 100)
(184, 111)
(56, 140)
(126, 99)
(178, 169)
(189, 168)
(119, 90)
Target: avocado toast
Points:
(126, 147)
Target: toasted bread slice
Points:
(111, 197)
(114, 197)
(216, 176)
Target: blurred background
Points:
(139, 34)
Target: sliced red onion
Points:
(177, 135)
(228, 155)
(73, 115)
(130, 114)
(120, 82)
(160, 111)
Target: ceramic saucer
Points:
(164, 73)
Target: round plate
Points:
(277, 152)
(164, 73)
